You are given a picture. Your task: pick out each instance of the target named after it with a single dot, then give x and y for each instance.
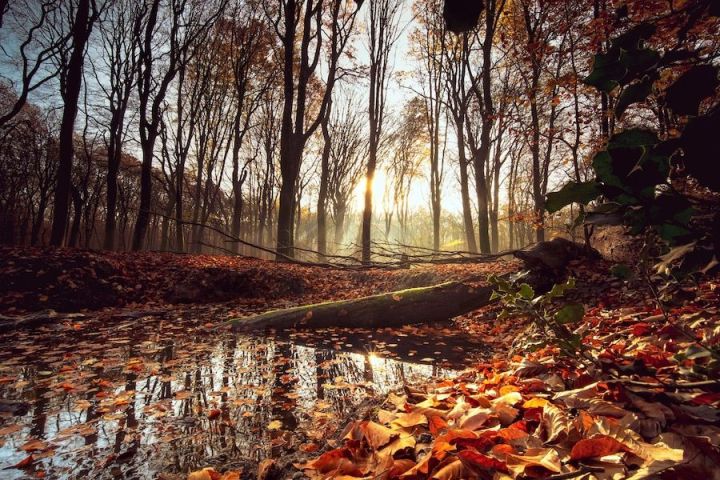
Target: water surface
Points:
(158, 396)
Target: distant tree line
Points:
(198, 126)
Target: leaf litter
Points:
(151, 388)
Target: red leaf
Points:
(640, 329)
(706, 398)
(473, 459)
(598, 446)
(24, 463)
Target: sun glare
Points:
(378, 187)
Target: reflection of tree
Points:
(129, 422)
(284, 381)
(41, 390)
(228, 371)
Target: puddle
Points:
(140, 398)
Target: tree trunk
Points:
(143, 218)
(71, 93)
(290, 159)
(77, 216)
(404, 307)
(323, 191)
(546, 261)
(465, 194)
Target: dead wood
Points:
(546, 262)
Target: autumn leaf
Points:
(598, 446)
(25, 462)
(546, 458)
(275, 425)
(474, 460)
(34, 445)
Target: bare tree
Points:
(119, 60)
(305, 22)
(346, 152)
(187, 26)
(70, 64)
(382, 29)
(430, 40)
(458, 102)
(31, 26)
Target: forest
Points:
(359, 239)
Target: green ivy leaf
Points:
(607, 71)
(571, 313)
(572, 192)
(526, 291)
(637, 92)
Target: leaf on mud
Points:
(475, 418)
(328, 461)
(536, 402)
(404, 443)
(204, 474)
(437, 424)
(598, 446)
(668, 453)
(511, 398)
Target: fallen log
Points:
(546, 262)
(394, 309)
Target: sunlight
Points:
(379, 183)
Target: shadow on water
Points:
(133, 399)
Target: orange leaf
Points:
(214, 413)
(25, 462)
(598, 446)
(34, 445)
(437, 424)
(328, 461)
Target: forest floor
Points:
(136, 374)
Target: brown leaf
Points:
(546, 458)
(453, 470)
(376, 435)
(555, 422)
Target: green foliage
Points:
(631, 185)
(521, 299)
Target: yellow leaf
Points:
(536, 402)
(275, 425)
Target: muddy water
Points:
(156, 397)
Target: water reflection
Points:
(134, 399)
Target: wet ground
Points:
(134, 396)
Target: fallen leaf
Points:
(598, 446)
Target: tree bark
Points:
(71, 93)
(404, 307)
